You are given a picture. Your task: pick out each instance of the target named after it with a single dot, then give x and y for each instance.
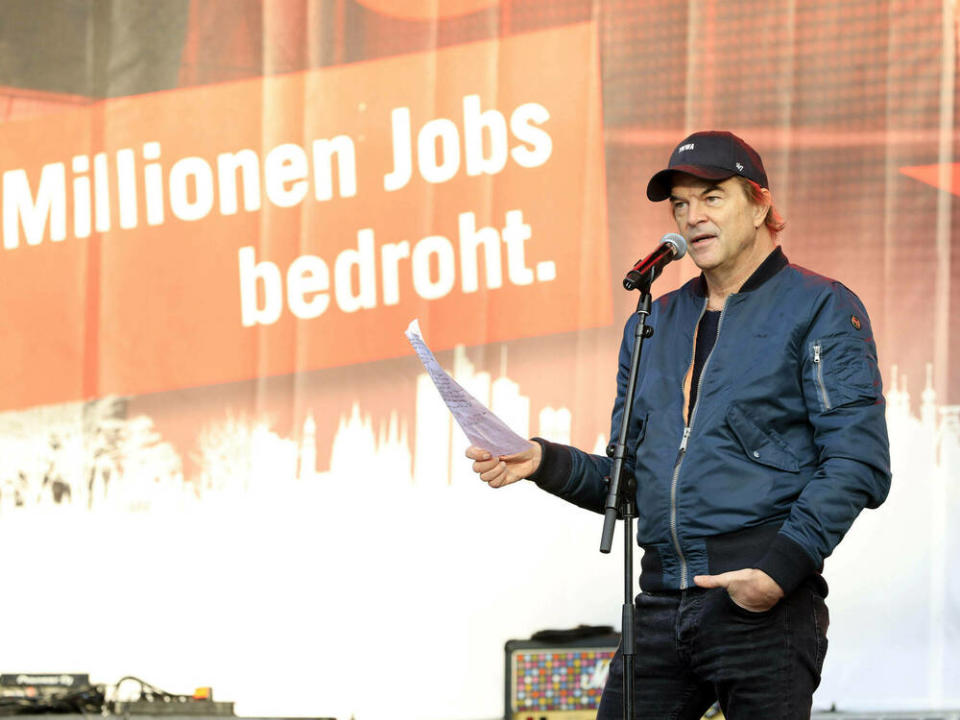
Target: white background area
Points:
(372, 596)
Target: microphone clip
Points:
(642, 280)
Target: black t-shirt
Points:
(706, 337)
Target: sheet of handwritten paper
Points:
(482, 427)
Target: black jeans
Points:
(697, 646)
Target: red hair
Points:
(774, 220)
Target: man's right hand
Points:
(506, 469)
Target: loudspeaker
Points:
(558, 675)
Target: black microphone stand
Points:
(622, 490)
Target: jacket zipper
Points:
(683, 446)
(673, 508)
(818, 362)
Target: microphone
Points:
(672, 247)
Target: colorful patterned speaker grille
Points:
(561, 679)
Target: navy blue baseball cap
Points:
(709, 155)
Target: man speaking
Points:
(757, 436)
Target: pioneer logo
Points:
(53, 680)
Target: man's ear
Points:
(762, 208)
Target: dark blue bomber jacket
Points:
(786, 444)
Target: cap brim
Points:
(661, 184)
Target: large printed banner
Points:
(268, 226)
(217, 217)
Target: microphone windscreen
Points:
(679, 243)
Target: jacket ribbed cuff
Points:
(555, 466)
(787, 563)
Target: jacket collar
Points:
(772, 264)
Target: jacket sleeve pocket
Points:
(761, 445)
(841, 373)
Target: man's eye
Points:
(713, 199)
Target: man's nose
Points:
(695, 214)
